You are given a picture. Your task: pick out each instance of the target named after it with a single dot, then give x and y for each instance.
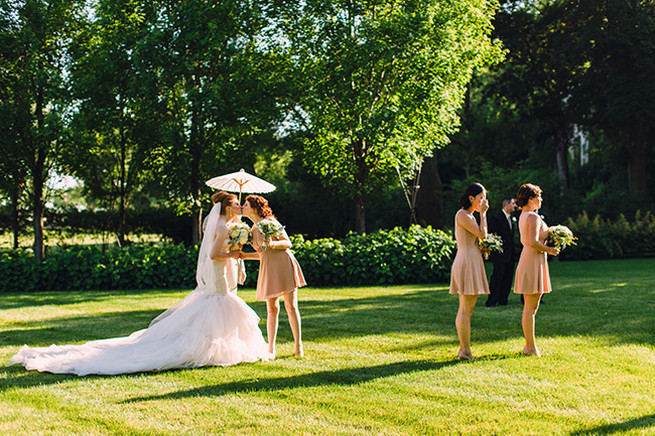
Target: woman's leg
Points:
(291, 305)
(463, 324)
(273, 309)
(529, 311)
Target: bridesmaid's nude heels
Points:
(529, 352)
(465, 356)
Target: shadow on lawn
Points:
(59, 298)
(79, 328)
(340, 377)
(16, 376)
(643, 422)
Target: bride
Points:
(210, 326)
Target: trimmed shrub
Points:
(600, 238)
(415, 255)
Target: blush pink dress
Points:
(467, 275)
(279, 271)
(532, 276)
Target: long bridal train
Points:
(210, 326)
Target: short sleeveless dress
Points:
(279, 271)
(467, 275)
(532, 275)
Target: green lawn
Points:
(379, 360)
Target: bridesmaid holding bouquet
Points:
(468, 278)
(279, 272)
(532, 275)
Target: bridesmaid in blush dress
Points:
(468, 278)
(279, 272)
(532, 276)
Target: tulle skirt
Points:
(201, 330)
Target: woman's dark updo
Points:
(472, 191)
(527, 192)
(260, 204)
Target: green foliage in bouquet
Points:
(491, 243)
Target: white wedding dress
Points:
(210, 326)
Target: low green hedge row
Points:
(600, 238)
(85, 268)
(414, 255)
(388, 256)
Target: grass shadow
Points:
(339, 377)
(15, 300)
(79, 328)
(641, 423)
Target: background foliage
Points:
(143, 101)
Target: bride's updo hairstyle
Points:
(527, 192)
(472, 191)
(226, 201)
(260, 204)
(218, 196)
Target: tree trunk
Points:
(15, 217)
(429, 202)
(122, 192)
(563, 133)
(195, 149)
(637, 156)
(37, 212)
(360, 215)
(38, 176)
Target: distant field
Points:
(57, 238)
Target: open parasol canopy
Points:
(241, 181)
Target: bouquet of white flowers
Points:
(269, 228)
(560, 237)
(492, 242)
(238, 233)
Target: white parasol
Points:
(241, 181)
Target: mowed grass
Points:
(379, 360)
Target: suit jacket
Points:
(498, 224)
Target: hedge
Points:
(600, 238)
(414, 255)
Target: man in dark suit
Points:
(503, 224)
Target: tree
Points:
(617, 94)
(108, 147)
(216, 82)
(381, 83)
(34, 53)
(12, 174)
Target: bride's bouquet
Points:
(238, 234)
(560, 237)
(269, 228)
(492, 242)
